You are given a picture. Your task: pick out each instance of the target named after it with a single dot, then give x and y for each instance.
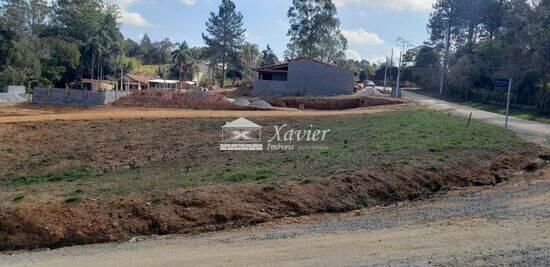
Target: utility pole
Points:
(398, 93)
(386, 74)
(508, 103)
(391, 72)
(397, 89)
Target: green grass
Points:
(241, 176)
(413, 138)
(499, 109)
(67, 175)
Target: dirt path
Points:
(507, 224)
(533, 131)
(15, 113)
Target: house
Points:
(97, 85)
(162, 84)
(303, 77)
(136, 82)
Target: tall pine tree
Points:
(225, 36)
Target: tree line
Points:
(60, 42)
(474, 42)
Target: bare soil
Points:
(25, 112)
(171, 99)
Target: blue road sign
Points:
(502, 83)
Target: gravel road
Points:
(508, 224)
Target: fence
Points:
(56, 96)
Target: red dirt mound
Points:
(171, 99)
(333, 103)
(231, 205)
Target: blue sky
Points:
(371, 26)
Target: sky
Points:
(372, 27)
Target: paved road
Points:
(508, 224)
(533, 131)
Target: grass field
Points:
(382, 141)
(499, 109)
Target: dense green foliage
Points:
(268, 57)
(315, 31)
(474, 42)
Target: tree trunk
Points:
(181, 69)
(223, 66)
(443, 85)
(92, 65)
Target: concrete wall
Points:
(112, 96)
(13, 94)
(43, 95)
(261, 87)
(308, 78)
(14, 89)
(311, 78)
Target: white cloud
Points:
(133, 18)
(400, 5)
(130, 18)
(350, 54)
(189, 2)
(362, 37)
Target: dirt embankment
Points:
(223, 206)
(333, 103)
(170, 99)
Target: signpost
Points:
(503, 83)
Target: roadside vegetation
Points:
(499, 109)
(473, 43)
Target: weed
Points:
(157, 200)
(18, 198)
(73, 199)
(270, 188)
(433, 168)
(364, 200)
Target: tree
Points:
(183, 58)
(250, 57)
(91, 25)
(444, 23)
(163, 51)
(163, 71)
(268, 57)
(146, 49)
(225, 35)
(26, 16)
(315, 31)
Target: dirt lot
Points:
(26, 113)
(87, 181)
